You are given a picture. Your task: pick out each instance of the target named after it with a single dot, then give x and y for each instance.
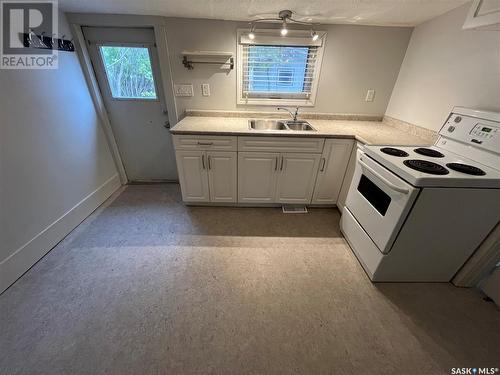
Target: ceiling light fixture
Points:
(285, 16)
(251, 34)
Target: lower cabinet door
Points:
(257, 175)
(193, 176)
(333, 166)
(222, 176)
(297, 175)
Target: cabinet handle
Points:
(282, 160)
(205, 143)
(203, 161)
(209, 162)
(323, 161)
(276, 164)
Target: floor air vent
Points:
(294, 209)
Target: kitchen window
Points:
(285, 78)
(274, 70)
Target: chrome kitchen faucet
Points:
(294, 115)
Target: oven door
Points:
(379, 200)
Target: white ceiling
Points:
(365, 12)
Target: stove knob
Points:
(458, 119)
(451, 129)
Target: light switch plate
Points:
(370, 95)
(205, 89)
(183, 90)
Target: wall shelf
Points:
(222, 58)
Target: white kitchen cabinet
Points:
(193, 177)
(276, 178)
(296, 177)
(333, 166)
(261, 170)
(207, 176)
(257, 176)
(483, 14)
(222, 176)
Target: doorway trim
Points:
(84, 57)
(158, 24)
(481, 262)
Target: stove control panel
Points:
(478, 132)
(483, 131)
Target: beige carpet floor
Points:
(149, 286)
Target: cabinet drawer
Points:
(205, 142)
(281, 144)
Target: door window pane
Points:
(129, 72)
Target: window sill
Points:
(277, 102)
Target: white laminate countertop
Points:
(367, 132)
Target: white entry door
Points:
(126, 64)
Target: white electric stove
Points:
(435, 166)
(418, 213)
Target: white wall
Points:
(55, 165)
(446, 66)
(357, 58)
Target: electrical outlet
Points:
(370, 95)
(183, 90)
(205, 89)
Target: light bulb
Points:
(251, 34)
(284, 31)
(315, 36)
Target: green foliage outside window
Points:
(129, 72)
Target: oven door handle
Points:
(383, 179)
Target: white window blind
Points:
(278, 71)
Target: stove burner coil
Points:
(394, 152)
(426, 167)
(467, 169)
(429, 152)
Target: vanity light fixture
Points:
(285, 16)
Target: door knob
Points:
(167, 125)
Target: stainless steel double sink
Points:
(271, 125)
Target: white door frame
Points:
(77, 20)
(481, 262)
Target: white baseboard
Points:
(27, 255)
